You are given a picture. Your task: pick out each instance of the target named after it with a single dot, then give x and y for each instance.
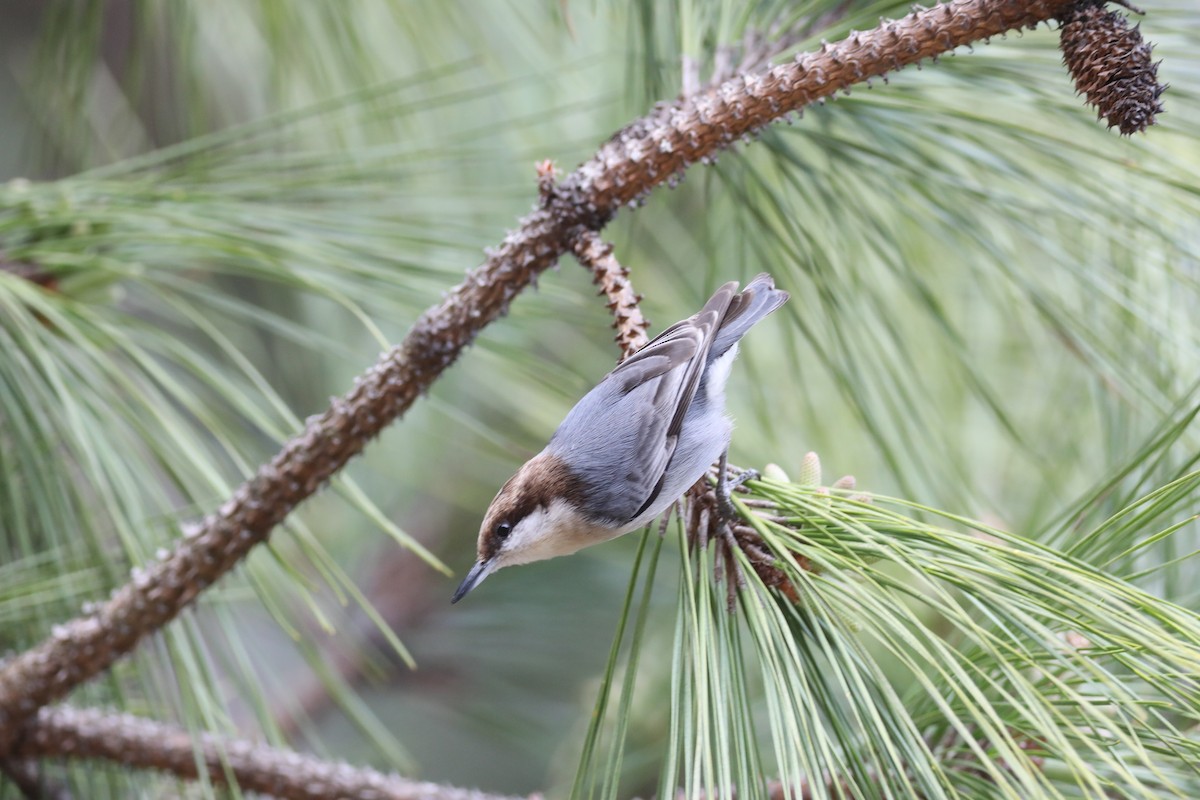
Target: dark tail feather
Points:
(759, 298)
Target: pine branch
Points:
(135, 742)
(131, 741)
(638, 158)
(613, 279)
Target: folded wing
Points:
(628, 426)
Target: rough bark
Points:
(125, 739)
(613, 280)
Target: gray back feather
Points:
(619, 439)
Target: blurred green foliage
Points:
(242, 204)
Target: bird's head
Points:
(536, 515)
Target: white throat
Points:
(556, 530)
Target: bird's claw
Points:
(726, 486)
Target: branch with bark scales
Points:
(90, 734)
(136, 742)
(613, 280)
(638, 158)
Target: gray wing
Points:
(746, 309)
(619, 439)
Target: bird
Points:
(632, 445)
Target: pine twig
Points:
(143, 744)
(613, 279)
(638, 158)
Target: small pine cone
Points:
(1111, 66)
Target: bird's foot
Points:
(726, 487)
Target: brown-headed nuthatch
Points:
(632, 446)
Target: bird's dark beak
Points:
(475, 577)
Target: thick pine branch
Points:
(625, 169)
(135, 742)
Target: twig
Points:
(141, 743)
(624, 171)
(706, 524)
(613, 279)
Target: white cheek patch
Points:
(556, 530)
(524, 537)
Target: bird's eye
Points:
(503, 530)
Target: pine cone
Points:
(1111, 66)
